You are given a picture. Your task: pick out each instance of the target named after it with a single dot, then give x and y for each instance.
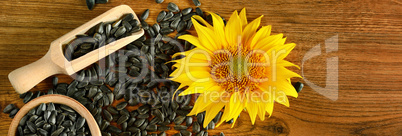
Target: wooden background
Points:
(370, 57)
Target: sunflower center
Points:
(237, 66)
(237, 70)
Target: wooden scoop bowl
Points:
(57, 99)
(25, 78)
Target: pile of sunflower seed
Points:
(137, 75)
(51, 119)
(101, 35)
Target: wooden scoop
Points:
(57, 99)
(25, 78)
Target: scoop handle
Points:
(25, 78)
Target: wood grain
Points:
(369, 53)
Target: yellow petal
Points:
(287, 47)
(184, 68)
(282, 98)
(190, 77)
(250, 29)
(261, 111)
(252, 111)
(236, 114)
(219, 32)
(195, 51)
(225, 116)
(260, 35)
(285, 63)
(206, 36)
(196, 42)
(198, 87)
(200, 19)
(243, 17)
(281, 85)
(268, 42)
(236, 104)
(288, 89)
(284, 73)
(233, 29)
(206, 99)
(211, 112)
(269, 108)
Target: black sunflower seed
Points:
(211, 125)
(168, 16)
(145, 14)
(189, 121)
(116, 23)
(122, 119)
(55, 80)
(178, 120)
(28, 97)
(199, 12)
(144, 125)
(156, 28)
(200, 118)
(57, 131)
(144, 25)
(127, 25)
(180, 127)
(92, 91)
(131, 121)
(165, 24)
(23, 120)
(114, 130)
(188, 16)
(31, 126)
(90, 4)
(160, 16)
(196, 127)
(175, 23)
(185, 133)
(176, 16)
(121, 105)
(139, 122)
(80, 122)
(298, 86)
(173, 7)
(112, 110)
(133, 129)
(120, 31)
(151, 128)
(181, 26)
(42, 132)
(218, 117)
(159, 1)
(197, 3)
(189, 24)
(52, 118)
(186, 11)
(9, 108)
(163, 128)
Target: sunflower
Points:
(235, 67)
